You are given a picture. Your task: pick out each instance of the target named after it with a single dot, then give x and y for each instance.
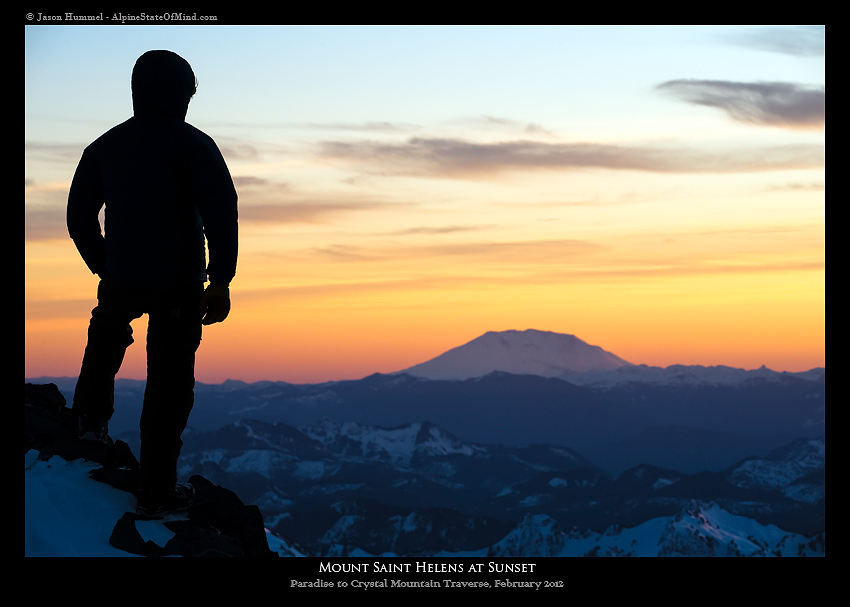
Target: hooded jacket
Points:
(165, 186)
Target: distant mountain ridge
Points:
(346, 489)
(529, 352)
(680, 422)
(548, 434)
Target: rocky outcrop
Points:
(218, 524)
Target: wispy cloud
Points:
(372, 126)
(366, 126)
(54, 151)
(42, 224)
(434, 230)
(458, 158)
(778, 104)
(504, 254)
(303, 211)
(44, 211)
(235, 151)
(268, 201)
(797, 187)
(247, 181)
(804, 40)
(497, 123)
(55, 309)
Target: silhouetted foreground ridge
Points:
(218, 524)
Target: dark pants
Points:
(174, 334)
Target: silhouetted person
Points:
(166, 189)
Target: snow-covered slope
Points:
(79, 498)
(798, 470)
(69, 514)
(528, 352)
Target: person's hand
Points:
(215, 304)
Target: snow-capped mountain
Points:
(797, 470)
(698, 529)
(562, 356)
(529, 352)
(399, 446)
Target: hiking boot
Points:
(93, 428)
(155, 504)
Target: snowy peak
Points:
(529, 352)
(699, 529)
(798, 470)
(396, 445)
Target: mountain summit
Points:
(527, 352)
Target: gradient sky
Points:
(656, 191)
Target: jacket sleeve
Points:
(85, 199)
(216, 200)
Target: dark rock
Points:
(220, 509)
(195, 540)
(120, 477)
(50, 428)
(126, 537)
(46, 396)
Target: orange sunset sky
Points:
(658, 192)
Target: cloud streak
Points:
(504, 254)
(44, 224)
(458, 158)
(432, 231)
(777, 104)
(48, 151)
(44, 211)
(265, 201)
(802, 41)
(302, 212)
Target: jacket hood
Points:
(162, 83)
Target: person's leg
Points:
(109, 336)
(174, 334)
